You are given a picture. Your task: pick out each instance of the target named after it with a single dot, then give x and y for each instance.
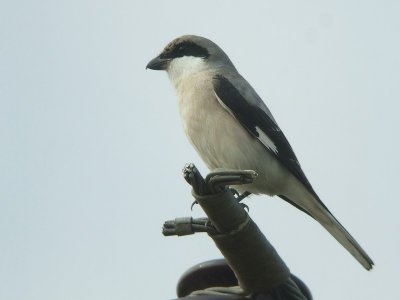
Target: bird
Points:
(231, 127)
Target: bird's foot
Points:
(217, 181)
(239, 197)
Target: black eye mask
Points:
(184, 49)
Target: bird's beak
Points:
(158, 63)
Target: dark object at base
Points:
(252, 268)
(218, 273)
(204, 275)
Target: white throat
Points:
(182, 67)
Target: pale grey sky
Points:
(91, 146)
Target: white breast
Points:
(220, 140)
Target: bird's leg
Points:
(239, 197)
(218, 180)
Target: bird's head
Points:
(189, 54)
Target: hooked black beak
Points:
(158, 63)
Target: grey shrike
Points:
(231, 128)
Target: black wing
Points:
(259, 124)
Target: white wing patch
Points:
(262, 137)
(266, 141)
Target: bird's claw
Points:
(240, 197)
(193, 204)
